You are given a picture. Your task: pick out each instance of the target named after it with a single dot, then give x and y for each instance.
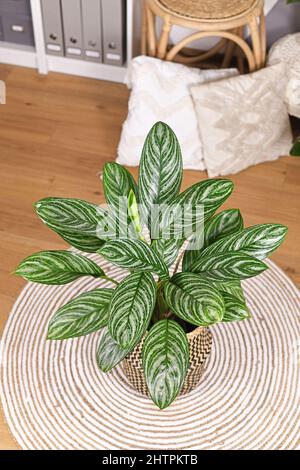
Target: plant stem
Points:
(161, 309)
(178, 262)
(111, 280)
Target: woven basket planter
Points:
(200, 342)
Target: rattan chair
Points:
(226, 19)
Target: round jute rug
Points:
(54, 396)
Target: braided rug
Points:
(54, 396)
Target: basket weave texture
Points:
(208, 9)
(200, 342)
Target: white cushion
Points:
(287, 50)
(160, 92)
(243, 120)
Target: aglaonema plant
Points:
(212, 254)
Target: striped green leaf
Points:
(211, 193)
(222, 224)
(160, 172)
(258, 241)
(109, 353)
(225, 223)
(235, 309)
(231, 287)
(117, 184)
(167, 249)
(133, 213)
(228, 266)
(191, 255)
(165, 358)
(70, 214)
(194, 299)
(76, 221)
(81, 316)
(189, 210)
(134, 255)
(57, 267)
(82, 242)
(131, 308)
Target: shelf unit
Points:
(36, 57)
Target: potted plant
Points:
(295, 150)
(156, 318)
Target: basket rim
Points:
(196, 331)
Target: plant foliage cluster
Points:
(207, 289)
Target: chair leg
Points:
(255, 36)
(263, 37)
(144, 31)
(228, 52)
(239, 52)
(184, 58)
(225, 34)
(151, 32)
(164, 39)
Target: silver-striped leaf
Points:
(231, 287)
(76, 221)
(82, 242)
(167, 249)
(81, 316)
(258, 241)
(212, 193)
(189, 210)
(135, 255)
(131, 307)
(57, 267)
(117, 183)
(133, 214)
(165, 358)
(219, 226)
(194, 299)
(109, 354)
(235, 309)
(228, 266)
(160, 173)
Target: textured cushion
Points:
(160, 92)
(243, 120)
(287, 50)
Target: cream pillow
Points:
(287, 50)
(160, 92)
(243, 120)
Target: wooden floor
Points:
(56, 132)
